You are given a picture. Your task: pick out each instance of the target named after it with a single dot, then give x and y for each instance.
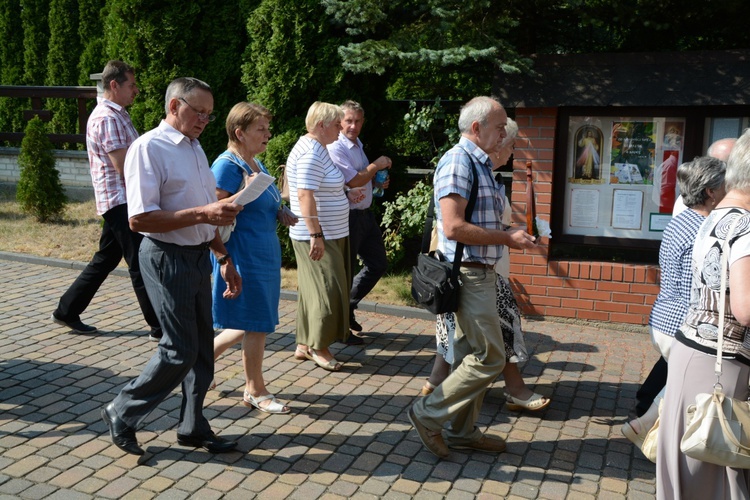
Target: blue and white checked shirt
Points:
(453, 176)
(676, 262)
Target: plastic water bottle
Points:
(380, 178)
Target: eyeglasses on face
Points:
(205, 117)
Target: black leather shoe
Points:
(209, 442)
(354, 325)
(77, 326)
(122, 436)
(354, 340)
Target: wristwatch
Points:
(223, 260)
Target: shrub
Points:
(40, 192)
(403, 220)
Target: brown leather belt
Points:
(477, 264)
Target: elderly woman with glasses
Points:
(255, 249)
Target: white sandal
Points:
(273, 407)
(535, 403)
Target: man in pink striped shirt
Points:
(109, 133)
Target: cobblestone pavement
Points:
(348, 435)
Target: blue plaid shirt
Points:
(453, 176)
(676, 263)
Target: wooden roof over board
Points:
(705, 78)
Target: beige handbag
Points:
(718, 427)
(649, 442)
(283, 183)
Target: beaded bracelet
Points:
(316, 235)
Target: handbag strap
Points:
(245, 171)
(722, 297)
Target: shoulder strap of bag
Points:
(427, 232)
(723, 295)
(227, 156)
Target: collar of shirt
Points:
(172, 133)
(475, 151)
(349, 143)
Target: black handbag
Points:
(435, 282)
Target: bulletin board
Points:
(621, 175)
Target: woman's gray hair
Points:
(183, 87)
(511, 128)
(738, 165)
(694, 177)
(476, 110)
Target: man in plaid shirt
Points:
(478, 347)
(109, 133)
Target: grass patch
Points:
(76, 237)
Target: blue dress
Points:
(256, 254)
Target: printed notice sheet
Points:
(254, 188)
(627, 209)
(584, 208)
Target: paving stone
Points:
(348, 436)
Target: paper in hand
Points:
(254, 187)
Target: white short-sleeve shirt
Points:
(166, 170)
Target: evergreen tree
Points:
(166, 40)
(62, 62)
(40, 192)
(91, 35)
(11, 64)
(35, 40)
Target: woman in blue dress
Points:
(255, 252)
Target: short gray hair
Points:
(738, 165)
(511, 128)
(183, 87)
(350, 105)
(694, 177)
(476, 110)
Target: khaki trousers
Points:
(479, 359)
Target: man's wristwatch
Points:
(223, 260)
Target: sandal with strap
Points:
(636, 438)
(273, 407)
(535, 403)
(331, 366)
(300, 354)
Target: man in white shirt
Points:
(365, 237)
(172, 202)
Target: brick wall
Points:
(600, 291)
(72, 165)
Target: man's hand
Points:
(221, 214)
(383, 162)
(520, 239)
(233, 280)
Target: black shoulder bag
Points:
(434, 281)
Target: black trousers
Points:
(653, 384)
(116, 241)
(366, 241)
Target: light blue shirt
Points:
(350, 158)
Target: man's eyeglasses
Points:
(201, 116)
